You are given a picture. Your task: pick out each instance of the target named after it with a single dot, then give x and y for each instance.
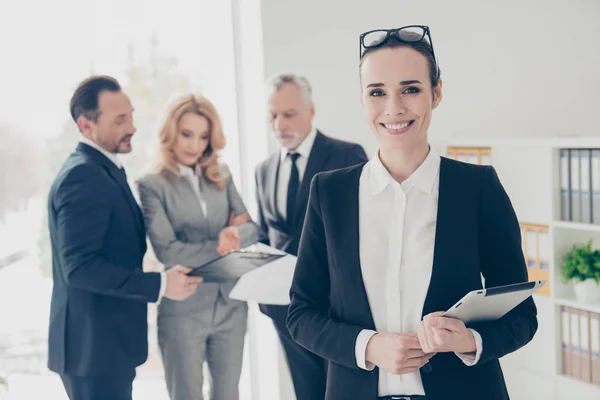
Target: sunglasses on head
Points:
(407, 34)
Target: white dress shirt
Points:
(114, 157)
(397, 224)
(285, 169)
(189, 174)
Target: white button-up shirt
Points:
(285, 169)
(397, 224)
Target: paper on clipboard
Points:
(269, 284)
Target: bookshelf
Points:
(576, 226)
(535, 240)
(529, 169)
(476, 155)
(571, 301)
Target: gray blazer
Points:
(179, 231)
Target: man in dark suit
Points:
(98, 314)
(282, 187)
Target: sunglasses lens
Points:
(411, 34)
(374, 38)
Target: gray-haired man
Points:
(282, 187)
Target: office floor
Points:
(24, 310)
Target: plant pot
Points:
(587, 291)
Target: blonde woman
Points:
(194, 213)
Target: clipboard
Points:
(233, 265)
(492, 303)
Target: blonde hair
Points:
(209, 161)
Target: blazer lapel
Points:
(318, 158)
(121, 179)
(271, 185)
(182, 184)
(350, 225)
(443, 256)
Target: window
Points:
(157, 50)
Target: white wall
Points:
(510, 68)
(269, 372)
(516, 68)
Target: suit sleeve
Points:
(83, 212)
(502, 263)
(168, 249)
(308, 318)
(355, 155)
(262, 223)
(249, 232)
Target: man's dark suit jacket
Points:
(326, 154)
(98, 314)
(477, 232)
(307, 369)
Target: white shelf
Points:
(558, 142)
(577, 388)
(576, 226)
(529, 168)
(573, 302)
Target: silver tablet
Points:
(492, 303)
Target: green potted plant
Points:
(3, 388)
(581, 265)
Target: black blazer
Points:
(98, 314)
(477, 233)
(326, 154)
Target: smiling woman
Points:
(414, 233)
(399, 106)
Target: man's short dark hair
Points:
(85, 99)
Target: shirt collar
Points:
(304, 148)
(423, 178)
(114, 157)
(186, 171)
